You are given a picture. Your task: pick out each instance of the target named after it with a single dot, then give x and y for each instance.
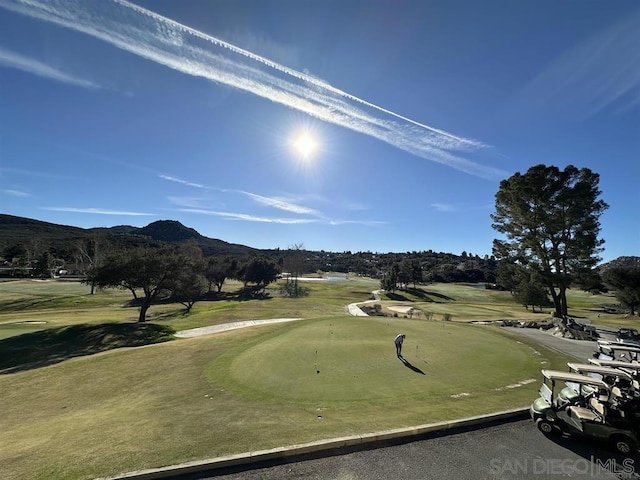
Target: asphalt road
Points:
(580, 349)
(515, 450)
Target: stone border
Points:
(327, 447)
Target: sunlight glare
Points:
(305, 145)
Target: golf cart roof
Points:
(574, 377)
(600, 369)
(620, 347)
(616, 364)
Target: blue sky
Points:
(119, 113)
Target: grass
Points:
(252, 389)
(134, 408)
(467, 302)
(54, 345)
(25, 302)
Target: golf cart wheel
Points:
(545, 426)
(623, 445)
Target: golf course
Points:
(79, 402)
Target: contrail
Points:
(35, 67)
(278, 203)
(294, 73)
(182, 48)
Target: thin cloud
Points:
(602, 71)
(34, 173)
(248, 218)
(444, 207)
(280, 204)
(41, 69)
(369, 223)
(190, 202)
(15, 193)
(98, 211)
(273, 202)
(288, 221)
(183, 182)
(356, 207)
(177, 46)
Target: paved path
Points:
(197, 332)
(354, 308)
(579, 349)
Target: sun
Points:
(305, 145)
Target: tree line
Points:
(548, 220)
(179, 273)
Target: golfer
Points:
(398, 341)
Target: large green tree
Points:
(152, 270)
(218, 269)
(550, 220)
(625, 281)
(260, 271)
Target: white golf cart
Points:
(591, 420)
(632, 368)
(620, 381)
(616, 351)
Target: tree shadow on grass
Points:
(54, 345)
(241, 295)
(409, 366)
(360, 293)
(439, 295)
(398, 297)
(421, 294)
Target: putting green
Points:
(353, 360)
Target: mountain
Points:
(169, 231)
(620, 262)
(19, 230)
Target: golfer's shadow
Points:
(408, 365)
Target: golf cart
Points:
(628, 336)
(611, 375)
(593, 420)
(620, 381)
(632, 368)
(616, 351)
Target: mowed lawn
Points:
(324, 376)
(253, 389)
(29, 305)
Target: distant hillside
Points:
(19, 230)
(64, 242)
(172, 231)
(169, 231)
(621, 262)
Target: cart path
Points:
(580, 349)
(352, 308)
(224, 327)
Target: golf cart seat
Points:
(617, 392)
(595, 412)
